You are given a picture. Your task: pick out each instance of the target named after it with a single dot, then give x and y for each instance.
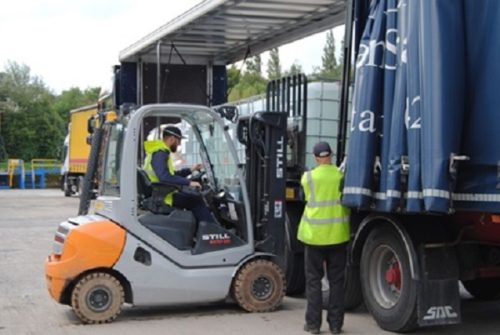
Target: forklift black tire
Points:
(483, 288)
(259, 286)
(97, 297)
(389, 292)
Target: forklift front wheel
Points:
(97, 298)
(259, 286)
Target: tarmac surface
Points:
(28, 220)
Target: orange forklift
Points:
(135, 249)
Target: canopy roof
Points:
(225, 31)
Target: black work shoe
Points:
(311, 329)
(335, 330)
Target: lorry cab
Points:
(136, 249)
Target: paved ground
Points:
(28, 219)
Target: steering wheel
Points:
(197, 175)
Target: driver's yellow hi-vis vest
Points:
(151, 147)
(324, 221)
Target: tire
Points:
(97, 298)
(259, 286)
(80, 185)
(483, 288)
(353, 296)
(389, 292)
(66, 186)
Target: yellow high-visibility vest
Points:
(151, 147)
(324, 221)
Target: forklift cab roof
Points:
(226, 31)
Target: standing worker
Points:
(324, 229)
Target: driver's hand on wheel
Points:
(195, 184)
(196, 167)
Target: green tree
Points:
(3, 152)
(75, 98)
(30, 126)
(250, 82)
(254, 65)
(233, 77)
(296, 68)
(330, 67)
(274, 65)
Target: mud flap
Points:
(438, 294)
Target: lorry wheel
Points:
(353, 297)
(389, 292)
(259, 286)
(80, 185)
(66, 186)
(483, 288)
(97, 298)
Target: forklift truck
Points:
(135, 249)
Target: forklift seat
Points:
(151, 195)
(177, 228)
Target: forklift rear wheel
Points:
(97, 298)
(259, 286)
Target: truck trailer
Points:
(422, 167)
(76, 149)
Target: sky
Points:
(75, 43)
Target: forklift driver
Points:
(160, 167)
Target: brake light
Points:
(60, 237)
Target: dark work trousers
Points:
(334, 259)
(193, 203)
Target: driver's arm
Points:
(187, 171)
(159, 163)
(183, 172)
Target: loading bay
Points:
(28, 220)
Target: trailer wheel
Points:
(259, 286)
(65, 186)
(390, 294)
(97, 298)
(80, 185)
(483, 288)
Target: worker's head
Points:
(172, 137)
(322, 153)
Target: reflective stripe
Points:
(312, 203)
(358, 190)
(343, 219)
(326, 203)
(476, 197)
(479, 197)
(431, 192)
(414, 195)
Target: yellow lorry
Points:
(76, 149)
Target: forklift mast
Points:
(267, 137)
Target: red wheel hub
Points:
(393, 275)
